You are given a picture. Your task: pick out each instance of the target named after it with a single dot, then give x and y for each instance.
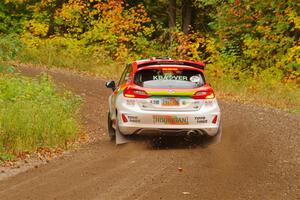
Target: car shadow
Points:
(175, 142)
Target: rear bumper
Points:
(144, 122)
(169, 132)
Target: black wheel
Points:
(111, 130)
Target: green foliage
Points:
(119, 31)
(266, 89)
(68, 53)
(260, 34)
(34, 115)
(6, 156)
(175, 44)
(12, 15)
(244, 42)
(10, 46)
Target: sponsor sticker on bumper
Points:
(201, 120)
(168, 119)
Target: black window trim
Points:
(202, 76)
(128, 68)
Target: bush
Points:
(266, 89)
(67, 53)
(10, 45)
(34, 115)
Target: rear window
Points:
(169, 78)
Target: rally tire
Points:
(111, 130)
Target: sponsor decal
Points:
(208, 103)
(196, 105)
(167, 119)
(130, 102)
(134, 119)
(171, 91)
(201, 120)
(170, 77)
(195, 79)
(154, 101)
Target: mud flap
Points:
(121, 139)
(213, 140)
(219, 136)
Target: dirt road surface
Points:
(258, 158)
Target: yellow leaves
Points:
(15, 1)
(290, 62)
(73, 14)
(72, 10)
(251, 47)
(120, 30)
(108, 23)
(187, 46)
(293, 54)
(294, 18)
(212, 48)
(37, 28)
(263, 29)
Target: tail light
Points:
(135, 93)
(214, 121)
(204, 94)
(124, 118)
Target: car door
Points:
(125, 78)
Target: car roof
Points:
(167, 61)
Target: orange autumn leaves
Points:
(110, 24)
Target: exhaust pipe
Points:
(200, 132)
(191, 132)
(195, 132)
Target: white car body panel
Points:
(144, 117)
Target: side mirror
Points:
(111, 84)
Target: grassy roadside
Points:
(266, 88)
(258, 91)
(246, 90)
(34, 115)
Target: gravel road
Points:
(258, 158)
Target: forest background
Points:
(251, 47)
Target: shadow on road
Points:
(174, 142)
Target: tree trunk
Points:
(187, 10)
(57, 4)
(172, 13)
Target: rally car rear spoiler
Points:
(198, 65)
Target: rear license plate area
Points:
(170, 102)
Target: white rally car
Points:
(163, 97)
